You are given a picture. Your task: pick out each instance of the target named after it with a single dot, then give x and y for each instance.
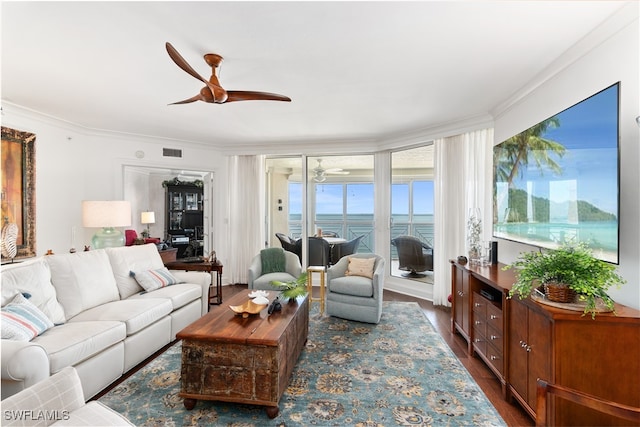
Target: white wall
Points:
(615, 59)
(73, 164)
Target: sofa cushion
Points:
(74, 342)
(151, 280)
(352, 285)
(33, 278)
(361, 267)
(179, 295)
(82, 280)
(136, 314)
(23, 321)
(126, 259)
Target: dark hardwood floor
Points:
(440, 318)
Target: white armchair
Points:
(257, 280)
(356, 297)
(58, 401)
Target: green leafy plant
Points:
(571, 264)
(293, 288)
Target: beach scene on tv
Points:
(557, 181)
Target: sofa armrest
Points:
(255, 270)
(23, 365)
(57, 396)
(198, 278)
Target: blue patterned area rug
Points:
(398, 372)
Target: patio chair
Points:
(414, 255)
(340, 250)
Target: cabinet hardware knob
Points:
(477, 322)
(494, 337)
(528, 349)
(493, 317)
(477, 304)
(493, 357)
(523, 344)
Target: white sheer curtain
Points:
(463, 176)
(246, 214)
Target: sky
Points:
(589, 132)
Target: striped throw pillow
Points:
(151, 280)
(22, 320)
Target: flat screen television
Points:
(558, 181)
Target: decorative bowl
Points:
(248, 308)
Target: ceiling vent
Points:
(171, 152)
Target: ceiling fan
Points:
(320, 174)
(213, 92)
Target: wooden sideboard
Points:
(523, 340)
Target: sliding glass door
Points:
(412, 209)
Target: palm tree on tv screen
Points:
(513, 156)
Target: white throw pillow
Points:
(33, 278)
(82, 280)
(151, 280)
(361, 267)
(22, 320)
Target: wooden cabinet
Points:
(523, 340)
(184, 217)
(529, 352)
(461, 298)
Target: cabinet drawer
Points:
(494, 337)
(495, 358)
(479, 306)
(479, 341)
(494, 317)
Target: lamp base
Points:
(108, 237)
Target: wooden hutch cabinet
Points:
(598, 356)
(184, 215)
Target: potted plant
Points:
(565, 273)
(293, 288)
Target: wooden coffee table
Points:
(226, 357)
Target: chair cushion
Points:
(273, 260)
(151, 280)
(361, 267)
(136, 314)
(94, 413)
(23, 321)
(352, 285)
(264, 281)
(74, 342)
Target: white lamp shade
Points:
(148, 218)
(106, 213)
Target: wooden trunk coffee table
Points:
(229, 358)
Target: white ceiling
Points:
(354, 70)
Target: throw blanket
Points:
(273, 260)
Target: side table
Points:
(202, 266)
(316, 269)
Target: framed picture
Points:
(19, 188)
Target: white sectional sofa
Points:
(105, 323)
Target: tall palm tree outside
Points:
(514, 155)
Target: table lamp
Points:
(106, 214)
(148, 218)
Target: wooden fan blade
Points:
(198, 97)
(180, 62)
(246, 95)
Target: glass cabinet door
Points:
(175, 198)
(191, 201)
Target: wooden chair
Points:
(601, 405)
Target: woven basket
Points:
(559, 292)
